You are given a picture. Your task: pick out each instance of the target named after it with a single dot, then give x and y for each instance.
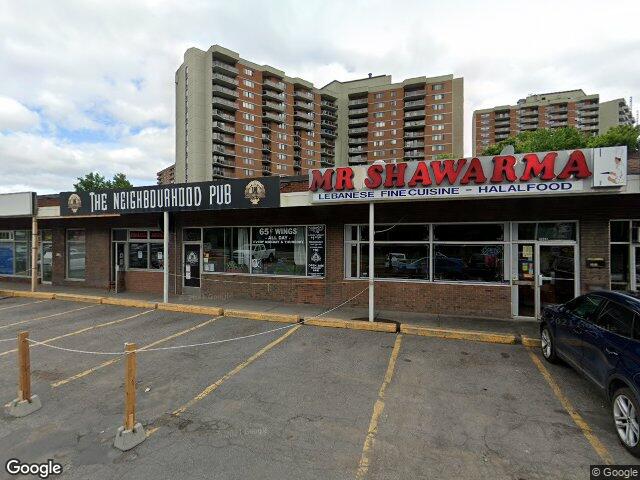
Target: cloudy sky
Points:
(89, 85)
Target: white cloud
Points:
(90, 85)
(15, 116)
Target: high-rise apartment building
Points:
(548, 110)
(167, 176)
(235, 118)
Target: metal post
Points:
(165, 259)
(371, 273)
(34, 253)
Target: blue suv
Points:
(598, 334)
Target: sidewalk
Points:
(508, 326)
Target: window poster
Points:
(315, 250)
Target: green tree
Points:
(121, 182)
(94, 181)
(541, 140)
(443, 156)
(628, 135)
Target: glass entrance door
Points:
(192, 265)
(46, 262)
(119, 256)
(557, 274)
(526, 280)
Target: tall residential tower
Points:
(237, 119)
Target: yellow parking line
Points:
(597, 445)
(23, 304)
(116, 359)
(46, 316)
(378, 408)
(82, 330)
(214, 386)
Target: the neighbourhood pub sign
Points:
(261, 192)
(560, 172)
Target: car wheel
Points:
(547, 345)
(625, 417)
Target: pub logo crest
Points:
(74, 203)
(254, 192)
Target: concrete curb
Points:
(178, 307)
(269, 317)
(40, 295)
(129, 302)
(531, 342)
(6, 293)
(78, 298)
(352, 324)
(487, 337)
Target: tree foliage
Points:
(567, 138)
(93, 181)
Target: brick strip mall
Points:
(487, 236)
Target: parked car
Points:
(598, 334)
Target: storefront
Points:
(488, 237)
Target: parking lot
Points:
(299, 402)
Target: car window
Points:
(585, 307)
(616, 319)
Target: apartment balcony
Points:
(220, 161)
(297, 154)
(221, 173)
(528, 126)
(357, 150)
(587, 106)
(501, 136)
(303, 115)
(414, 154)
(413, 104)
(218, 102)
(529, 121)
(358, 159)
(414, 114)
(297, 165)
(277, 106)
(275, 84)
(273, 95)
(329, 104)
(325, 132)
(557, 124)
(414, 134)
(326, 142)
(415, 93)
(329, 114)
(327, 162)
(414, 144)
(587, 120)
(304, 105)
(266, 159)
(224, 92)
(266, 170)
(303, 94)
(357, 112)
(589, 128)
(358, 131)
(276, 117)
(503, 130)
(327, 151)
(558, 110)
(266, 146)
(221, 149)
(223, 67)
(303, 125)
(266, 137)
(528, 113)
(222, 115)
(360, 101)
(503, 116)
(221, 79)
(358, 121)
(222, 127)
(414, 124)
(328, 123)
(358, 140)
(220, 138)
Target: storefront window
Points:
(278, 250)
(15, 252)
(458, 252)
(545, 231)
(268, 250)
(76, 254)
(146, 249)
(625, 254)
(474, 263)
